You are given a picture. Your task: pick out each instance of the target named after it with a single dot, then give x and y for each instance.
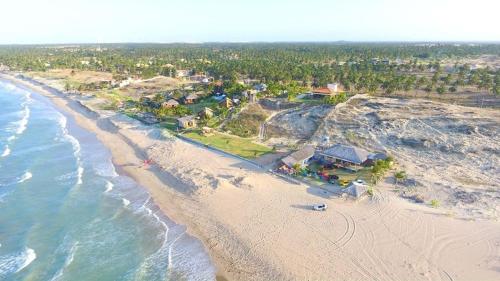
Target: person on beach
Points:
(147, 162)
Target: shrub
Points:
(379, 169)
(400, 176)
(435, 203)
(336, 99)
(369, 191)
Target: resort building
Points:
(300, 157)
(191, 98)
(333, 87)
(330, 90)
(186, 122)
(206, 113)
(170, 104)
(345, 155)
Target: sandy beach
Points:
(257, 226)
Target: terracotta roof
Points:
(325, 91)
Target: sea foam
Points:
(69, 259)
(26, 176)
(125, 202)
(109, 187)
(80, 175)
(6, 151)
(76, 147)
(16, 262)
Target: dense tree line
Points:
(387, 67)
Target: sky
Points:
(165, 21)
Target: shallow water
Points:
(65, 214)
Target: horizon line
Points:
(264, 42)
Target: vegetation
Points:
(370, 191)
(247, 123)
(336, 99)
(400, 176)
(235, 145)
(435, 203)
(285, 67)
(380, 168)
(164, 112)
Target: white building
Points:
(333, 87)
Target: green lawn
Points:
(169, 123)
(235, 145)
(202, 103)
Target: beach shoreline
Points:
(121, 148)
(256, 226)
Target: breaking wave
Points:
(6, 151)
(76, 147)
(69, 259)
(109, 187)
(14, 263)
(25, 177)
(23, 123)
(125, 202)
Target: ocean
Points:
(65, 214)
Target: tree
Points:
(441, 89)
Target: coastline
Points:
(258, 227)
(123, 153)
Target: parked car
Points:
(359, 181)
(319, 207)
(343, 182)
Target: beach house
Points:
(330, 90)
(300, 157)
(333, 87)
(191, 98)
(345, 156)
(186, 122)
(170, 104)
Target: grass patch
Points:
(169, 123)
(202, 103)
(235, 145)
